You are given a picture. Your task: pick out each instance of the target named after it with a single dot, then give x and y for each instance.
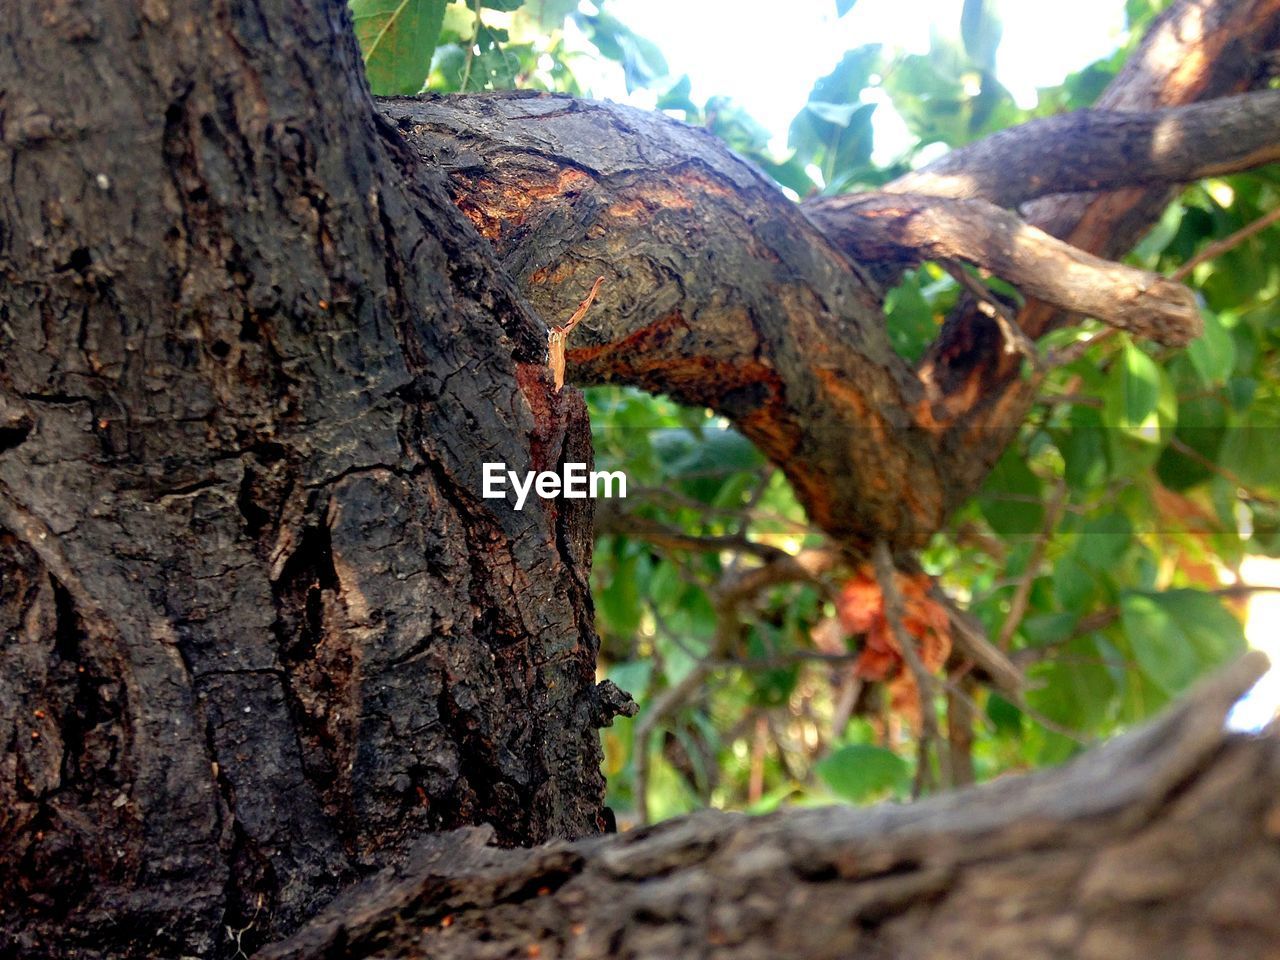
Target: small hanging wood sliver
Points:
(559, 336)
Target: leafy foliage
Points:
(1095, 550)
(397, 38)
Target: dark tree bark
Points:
(260, 632)
(259, 629)
(1165, 843)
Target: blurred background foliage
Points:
(1103, 553)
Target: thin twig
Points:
(779, 660)
(1192, 453)
(671, 700)
(1022, 592)
(970, 639)
(1219, 247)
(471, 47)
(961, 713)
(1015, 339)
(662, 535)
(1074, 351)
(930, 739)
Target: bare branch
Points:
(1022, 592)
(970, 640)
(930, 739)
(910, 228)
(1092, 150)
(1219, 247)
(662, 535)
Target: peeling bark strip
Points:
(1164, 843)
(258, 629)
(558, 338)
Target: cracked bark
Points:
(722, 293)
(260, 631)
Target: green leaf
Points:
(1132, 394)
(1104, 540)
(980, 29)
(1076, 689)
(1084, 449)
(1213, 353)
(1075, 584)
(1251, 451)
(642, 61)
(1177, 635)
(1159, 237)
(704, 463)
(397, 39)
(859, 773)
(1202, 426)
(676, 96)
(909, 318)
(839, 114)
(1011, 499)
(633, 677)
(1006, 717)
(619, 602)
(834, 130)
(549, 14)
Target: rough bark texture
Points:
(720, 293)
(1196, 50)
(905, 229)
(1165, 843)
(259, 629)
(1092, 150)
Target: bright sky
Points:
(768, 55)
(1263, 631)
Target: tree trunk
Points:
(259, 629)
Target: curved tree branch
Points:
(718, 290)
(721, 293)
(1197, 50)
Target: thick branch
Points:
(1154, 844)
(719, 291)
(1091, 150)
(909, 228)
(721, 294)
